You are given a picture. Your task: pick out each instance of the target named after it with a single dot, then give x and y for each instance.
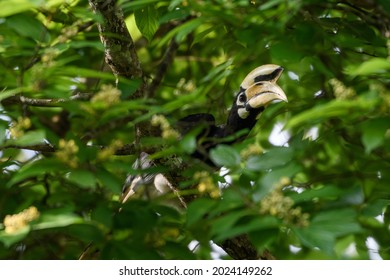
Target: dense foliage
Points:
(311, 181)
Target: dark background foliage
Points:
(70, 129)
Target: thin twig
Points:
(45, 102)
(127, 149)
(163, 67)
(43, 148)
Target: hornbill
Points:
(257, 91)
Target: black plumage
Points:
(257, 90)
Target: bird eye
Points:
(242, 98)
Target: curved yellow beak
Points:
(262, 94)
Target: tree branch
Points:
(163, 67)
(125, 150)
(43, 148)
(120, 53)
(240, 248)
(46, 102)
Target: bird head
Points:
(257, 91)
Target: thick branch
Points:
(119, 47)
(240, 248)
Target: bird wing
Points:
(158, 182)
(132, 182)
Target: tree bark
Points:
(120, 53)
(240, 248)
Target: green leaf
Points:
(181, 31)
(29, 138)
(198, 208)
(339, 222)
(11, 238)
(275, 157)
(262, 238)
(103, 215)
(11, 92)
(325, 192)
(188, 143)
(86, 232)
(326, 226)
(83, 178)
(287, 51)
(222, 226)
(315, 237)
(218, 72)
(255, 224)
(334, 108)
(50, 219)
(36, 168)
(109, 180)
(374, 133)
(17, 6)
(137, 4)
(127, 87)
(147, 21)
(267, 182)
(118, 110)
(269, 4)
(74, 71)
(372, 66)
(56, 218)
(2, 134)
(288, 170)
(28, 26)
(224, 155)
(181, 102)
(187, 28)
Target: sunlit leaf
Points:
(19, 6)
(73, 71)
(56, 218)
(147, 21)
(181, 31)
(29, 138)
(372, 66)
(137, 4)
(335, 108)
